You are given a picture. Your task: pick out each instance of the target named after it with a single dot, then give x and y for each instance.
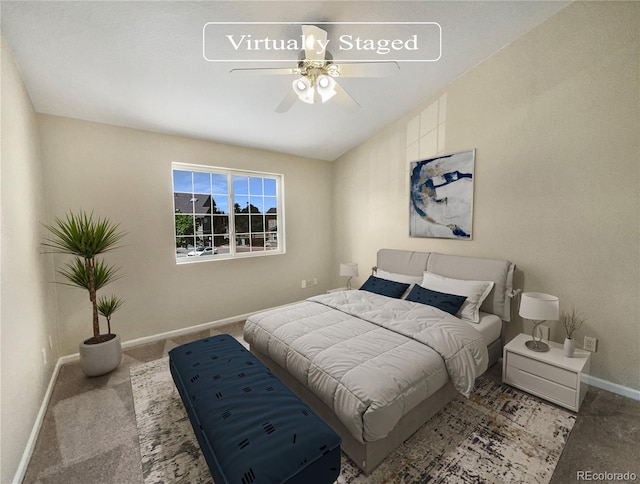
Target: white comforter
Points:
(369, 358)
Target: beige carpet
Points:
(499, 434)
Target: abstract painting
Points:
(441, 192)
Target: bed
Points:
(376, 364)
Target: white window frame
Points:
(230, 172)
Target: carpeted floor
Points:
(499, 432)
(89, 433)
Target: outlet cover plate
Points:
(590, 344)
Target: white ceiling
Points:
(140, 64)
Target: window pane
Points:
(271, 242)
(202, 203)
(240, 185)
(255, 185)
(183, 203)
(220, 204)
(203, 225)
(241, 204)
(253, 208)
(182, 181)
(184, 225)
(257, 223)
(219, 184)
(221, 244)
(242, 224)
(257, 242)
(201, 182)
(242, 243)
(270, 204)
(204, 242)
(220, 224)
(270, 187)
(271, 223)
(257, 204)
(183, 245)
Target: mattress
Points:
(489, 326)
(369, 358)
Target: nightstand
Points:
(549, 375)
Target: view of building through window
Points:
(222, 213)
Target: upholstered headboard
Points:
(459, 267)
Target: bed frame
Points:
(369, 455)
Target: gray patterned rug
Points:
(497, 435)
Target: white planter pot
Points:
(569, 347)
(102, 358)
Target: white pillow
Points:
(475, 292)
(394, 276)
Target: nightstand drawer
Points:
(541, 387)
(544, 370)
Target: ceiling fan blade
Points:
(368, 69)
(288, 101)
(315, 42)
(265, 71)
(344, 99)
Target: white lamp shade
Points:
(349, 269)
(303, 88)
(539, 307)
(326, 88)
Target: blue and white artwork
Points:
(441, 194)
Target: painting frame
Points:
(441, 196)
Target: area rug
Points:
(499, 434)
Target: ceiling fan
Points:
(316, 73)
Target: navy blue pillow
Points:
(450, 303)
(384, 287)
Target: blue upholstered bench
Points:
(250, 426)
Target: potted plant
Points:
(572, 322)
(85, 238)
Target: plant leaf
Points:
(83, 235)
(77, 273)
(109, 305)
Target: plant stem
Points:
(90, 263)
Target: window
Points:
(221, 213)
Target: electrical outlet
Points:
(303, 285)
(50, 342)
(315, 281)
(44, 357)
(590, 344)
(308, 283)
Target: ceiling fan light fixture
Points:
(326, 88)
(303, 88)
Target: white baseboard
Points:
(183, 331)
(35, 431)
(612, 387)
(176, 332)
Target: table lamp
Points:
(538, 307)
(348, 269)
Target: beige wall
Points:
(28, 316)
(125, 174)
(555, 120)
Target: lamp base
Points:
(538, 346)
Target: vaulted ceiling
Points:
(140, 64)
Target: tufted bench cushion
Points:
(250, 426)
